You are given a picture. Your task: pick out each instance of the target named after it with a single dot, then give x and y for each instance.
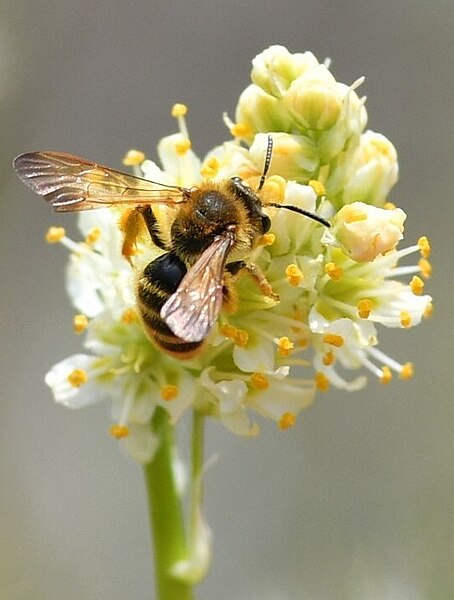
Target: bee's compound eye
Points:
(266, 223)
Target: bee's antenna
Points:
(266, 166)
(300, 211)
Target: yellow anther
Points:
(425, 267)
(354, 216)
(321, 382)
(405, 319)
(417, 285)
(93, 236)
(333, 271)
(334, 339)
(260, 381)
(284, 346)
(55, 234)
(365, 307)
(78, 377)
(303, 343)
(227, 330)
(407, 371)
(169, 392)
(182, 147)
(179, 110)
(210, 168)
(287, 421)
(242, 130)
(80, 323)
(129, 316)
(273, 189)
(133, 158)
(267, 239)
(424, 246)
(389, 206)
(386, 375)
(294, 275)
(328, 358)
(119, 431)
(241, 338)
(318, 187)
(429, 310)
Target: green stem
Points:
(198, 437)
(166, 513)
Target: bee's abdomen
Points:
(159, 281)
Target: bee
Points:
(216, 226)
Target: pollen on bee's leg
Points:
(119, 431)
(287, 421)
(78, 377)
(169, 392)
(80, 323)
(55, 235)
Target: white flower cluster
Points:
(335, 286)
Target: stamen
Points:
(211, 168)
(389, 206)
(287, 421)
(133, 158)
(334, 339)
(425, 267)
(334, 272)
(405, 319)
(417, 285)
(260, 381)
(129, 316)
(318, 187)
(179, 110)
(55, 235)
(284, 346)
(242, 130)
(119, 431)
(182, 147)
(80, 323)
(321, 382)
(267, 239)
(78, 377)
(93, 236)
(328, 358)
(429, 310)
(424, 246)
(407, 371)
(239, 336)
(386, 375)
(365, 307)
(294, 275)
(355, 215)
(169, 392)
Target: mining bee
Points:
(216, 226)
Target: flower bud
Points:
(294, 156)
(364, 231)
(261, 112)
(275, 69)
(313, 104)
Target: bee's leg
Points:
(257, 275)
(152, 226)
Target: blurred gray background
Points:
(357, 501)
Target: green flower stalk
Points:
(266, 356)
